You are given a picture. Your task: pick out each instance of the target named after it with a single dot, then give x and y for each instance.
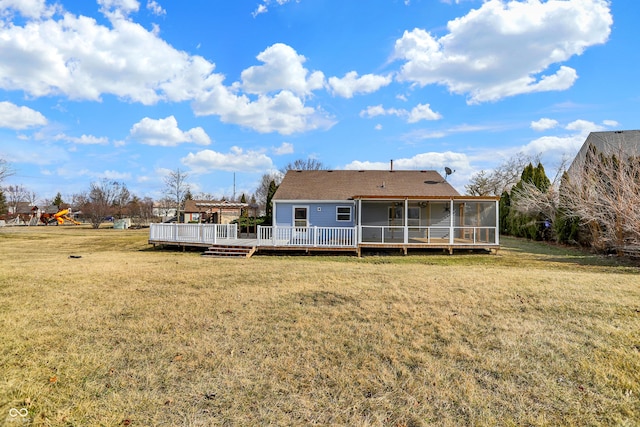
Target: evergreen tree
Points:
(520, 225)
(3, 203)
(505, 208)
(269, 208)
(58, 200)
(566, 227)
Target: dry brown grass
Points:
(128, 335)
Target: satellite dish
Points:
(447, 171)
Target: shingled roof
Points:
(350, 184)
(617, 142)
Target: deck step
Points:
(229, 251)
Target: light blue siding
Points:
(320, 214)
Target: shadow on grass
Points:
(553, 253)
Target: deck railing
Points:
(328, 237)
(429, 235)
(192, 233)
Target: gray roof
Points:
(617, 142)
(350, 184)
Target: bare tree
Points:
(534, 202)
(500, 179)
(603, 192)
(100, 202)
(262, 192)
(529, 199)
(305, 165)
(15, 195)
(5, 170)
(176, 189)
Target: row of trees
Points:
(108, 198)
(593, 204)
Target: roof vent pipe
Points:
(391, 165)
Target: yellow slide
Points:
(63, 216)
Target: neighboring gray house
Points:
(619, 142)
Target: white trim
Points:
(350, 213)
(293, 215)
(317, 202)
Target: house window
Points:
(343, 213)
(300, 217)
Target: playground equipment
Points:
(60, 217)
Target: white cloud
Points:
(422, 112)
(114, 175)
(351, 84)
(282, 70)
(82, 140)
(124, 7)
(260, 10)
(35, 9)
(18, 118)
(155, 8)
(285, 148)
(422, 161)
(554, 147)
(283, 113)
(610, 123)
(544, 124)
(501, 48)
(80, 59)
(237, 160)
(419, 112)
(165, 133)
(262, 7)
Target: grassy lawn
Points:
(131, 335)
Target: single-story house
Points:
(386, 208)
(345, 210)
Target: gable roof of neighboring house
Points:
(612, 142)
(194, 206)
(354, 184)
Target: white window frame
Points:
(293, 215)
(338, 214)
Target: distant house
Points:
(161, 210)
(355, 210)
(213, 211)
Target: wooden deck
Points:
(443, 245)
(324, 241)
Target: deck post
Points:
(359, 224)
(405, 234)
(497, 239)
(451, 230)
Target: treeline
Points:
(592, 204)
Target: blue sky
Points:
(132, 89)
